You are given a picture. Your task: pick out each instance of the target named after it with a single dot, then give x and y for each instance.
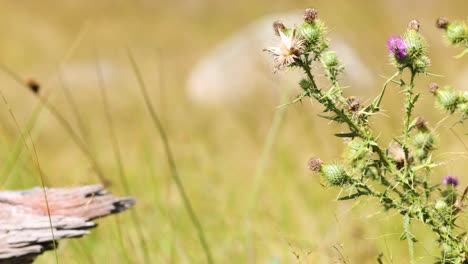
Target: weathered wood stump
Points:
(25, 230)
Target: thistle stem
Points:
(410, 100)
(362, 133)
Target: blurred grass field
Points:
(218, 149)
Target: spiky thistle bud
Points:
(310, 14)
(315, 164)
(442, 22)
(441, 205)
(305, 84)
(433, 87)
(462, 106)
(416, 45)
(414, 25)
(423, 140)
(278, 27)
(313, 34)
(33, 85)
(457, 33)
(447, 99)
(421, 64)
(329, 60)
(334, 174)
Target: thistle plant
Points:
(455, 33)
(397, 174)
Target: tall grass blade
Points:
(37, 164)
(170, 159)
(118, 158)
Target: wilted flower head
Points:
(433, 87)
(278, 27)
(450, 180)
(310, 14)
(421, 123)
(288, 51)
(397, 47)
(396, 152)
(354, 102)
(442, 22)
(315, 164)
(414, 25)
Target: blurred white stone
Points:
(237, 67)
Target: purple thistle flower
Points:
(450, 180)
(397, 46)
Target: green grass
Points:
(217, 149)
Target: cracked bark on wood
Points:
(24, 223)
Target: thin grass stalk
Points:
(43, 99)
(37, 110)
(260, 171)
(37, 164)
(118, 158)
(170, 159)
(121, 239)
(18, 147)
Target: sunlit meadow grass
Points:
(217, 150)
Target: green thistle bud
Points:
(440, 205)
(305, 84)
(421, 64)
(334, 174)
(423, 140)
(447, 99)
(462, 101)
(456, 33)
(463, 107)
(446, 248)
(329, 60)
(313, 34)
(416, 44)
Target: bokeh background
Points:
(242, 160)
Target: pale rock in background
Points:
(237, 67)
